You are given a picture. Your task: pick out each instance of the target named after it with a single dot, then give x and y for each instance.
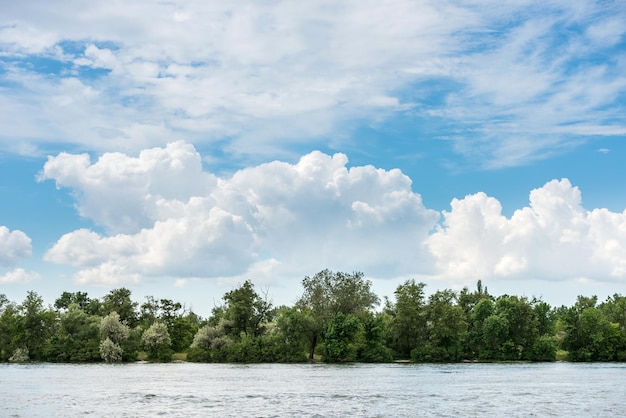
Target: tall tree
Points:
(119, 300)
(247, 311)
(408, 323)
(327, 294)
(35, 325)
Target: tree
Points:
(110, 351)
(9, 328)
(80, 299)
(77, 339)
(327, 294)
(156, 340)
(373, 348)
(293, 329)
(35, 325)
(408, 323)
(247, 311)
(446, 328)
(210, 343)
(339, 338)
(112, 333)
(119, 300)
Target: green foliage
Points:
(156, 341)
(445, 330)
(327, 294)
(293, 331)
(247, 312)
(372, 347)
(20, 355)
(333, 318)
(77, 338)
(119, 335)
(119, 301)
(408, 323)
(339, 338)
(110, 351)
(34, 326)
(111, 327)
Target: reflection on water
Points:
(310, 390)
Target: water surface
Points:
(313, 390)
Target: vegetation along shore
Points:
(336, 319)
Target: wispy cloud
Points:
(260, 79)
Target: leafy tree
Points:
(408, 323)
(35, 325)
(327, 294)
(339, 338)
(116, 332)
(210, 343)
(247, 311)
(293, 331)
(446, 329)
(110, 352)
(119, 300)
(9, 328)
(80, 299)
(373, 347)
(77, 339)
(156, 340)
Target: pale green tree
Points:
(156, 341)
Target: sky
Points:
(179, 148)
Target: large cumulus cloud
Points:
(165, 216)
(554, 238)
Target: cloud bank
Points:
(315, 213)
(164, 215)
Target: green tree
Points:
(35, 325)
(293, 329)
(373, 347)
(246, 311)
(113, 332)
(211, 344)
(327, 294)
(339, 338)
(156, 341)
(408, 323)
(9, 328)
(119, 300)
(446, 328)
(80, 299)
(77, 339)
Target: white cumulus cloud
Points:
(554, 238)
(18, 276)
(168, 217)
(14, 246)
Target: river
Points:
(312, 390)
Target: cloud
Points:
(14, 246)
(316, 213)
(280, 220)
(554, 238)
(18, 276)
(253, 79)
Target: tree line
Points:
(337, 318)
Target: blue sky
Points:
(180, 148)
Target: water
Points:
(312, 390)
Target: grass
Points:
(143, 356)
